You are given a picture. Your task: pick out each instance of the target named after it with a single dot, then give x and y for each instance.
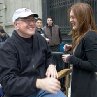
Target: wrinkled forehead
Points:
(38, 21)
(49, 19)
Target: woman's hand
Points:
(67, 47)
(65, 57)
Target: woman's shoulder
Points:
(91, 33)
(90, 36)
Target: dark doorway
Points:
(58, 10)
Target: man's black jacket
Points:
(22, 61)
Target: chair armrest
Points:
(63, 73)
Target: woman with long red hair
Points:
(84, 51)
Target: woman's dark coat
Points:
(84, 60)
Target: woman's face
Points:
(49, 21)
(73, 21)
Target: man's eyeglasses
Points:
(26, 20)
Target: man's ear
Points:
(16, 25)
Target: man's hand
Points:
(51, 71)
(49, 84)
(47, 39)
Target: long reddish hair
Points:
(84, 14)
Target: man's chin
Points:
(32, 32)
